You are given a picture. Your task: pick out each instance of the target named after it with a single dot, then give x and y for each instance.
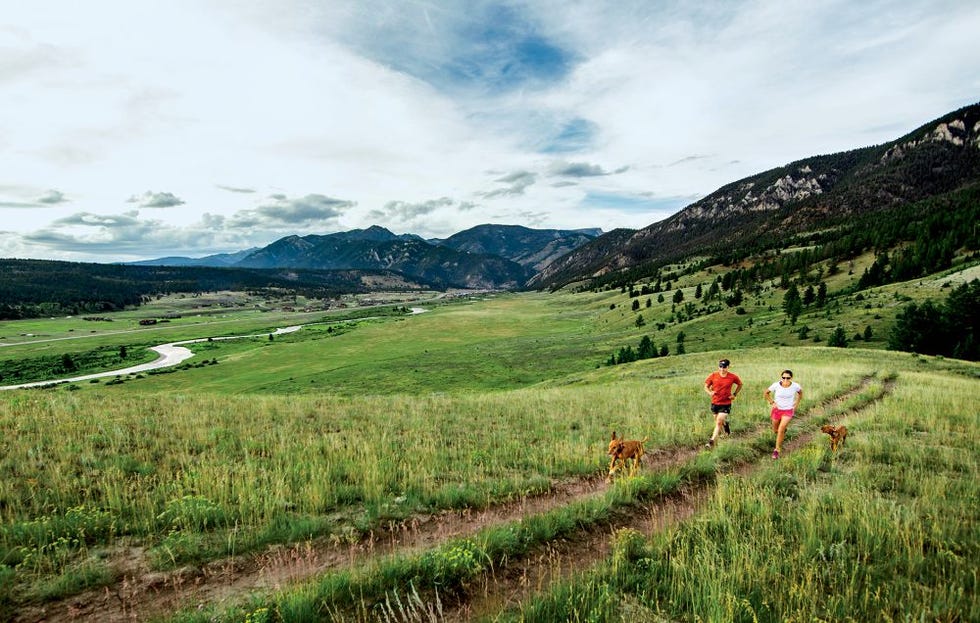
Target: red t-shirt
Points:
(722, 387)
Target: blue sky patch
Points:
(485, 49)
(575, 135)
(633, 203)
(498, 49)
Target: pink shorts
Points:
(777, 414)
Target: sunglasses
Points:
(787, 378)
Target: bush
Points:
(838, 338)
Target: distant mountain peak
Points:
(374, 232)
(938, 158)
(486, 256)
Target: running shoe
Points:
(710, 444)
(775, 454)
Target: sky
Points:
(139, 129)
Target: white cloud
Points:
(151, 199)
(52, 197)
(305, 117)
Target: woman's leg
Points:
(781, 432)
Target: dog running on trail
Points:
(838, 434)
(622, 451)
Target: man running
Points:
(723, 386)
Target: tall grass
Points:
(196, 477)
(340, 432)
(887, 530)
(454, 566)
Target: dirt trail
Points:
(520, 580)
(142, 594)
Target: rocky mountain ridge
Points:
(817, 192)
(485, 257)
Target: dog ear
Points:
(613, 437)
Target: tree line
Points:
(948, 328)
(43, 288)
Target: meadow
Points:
(885, 531)
(365, 420)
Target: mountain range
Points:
(486, 256)
(830, 195)
(932, 168)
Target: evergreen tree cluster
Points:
(916, 239)
(646, 349)
(948, 329)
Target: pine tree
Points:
(713, 292)
(734, 299)
(821, 294)
(808, 296)
(626, 355)
(838, 338)
(792, 303)
(646, 349)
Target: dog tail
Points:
(645, 439)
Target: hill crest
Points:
(938, 158)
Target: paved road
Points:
(170, 355)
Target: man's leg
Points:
(719, 425)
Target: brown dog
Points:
(837, 435)
(622, 450)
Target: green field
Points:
(371, 417)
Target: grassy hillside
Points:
(369, 418)
(885, 531)
(487, 342)
(203, 476)
(917, 195)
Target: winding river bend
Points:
(170, 355)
